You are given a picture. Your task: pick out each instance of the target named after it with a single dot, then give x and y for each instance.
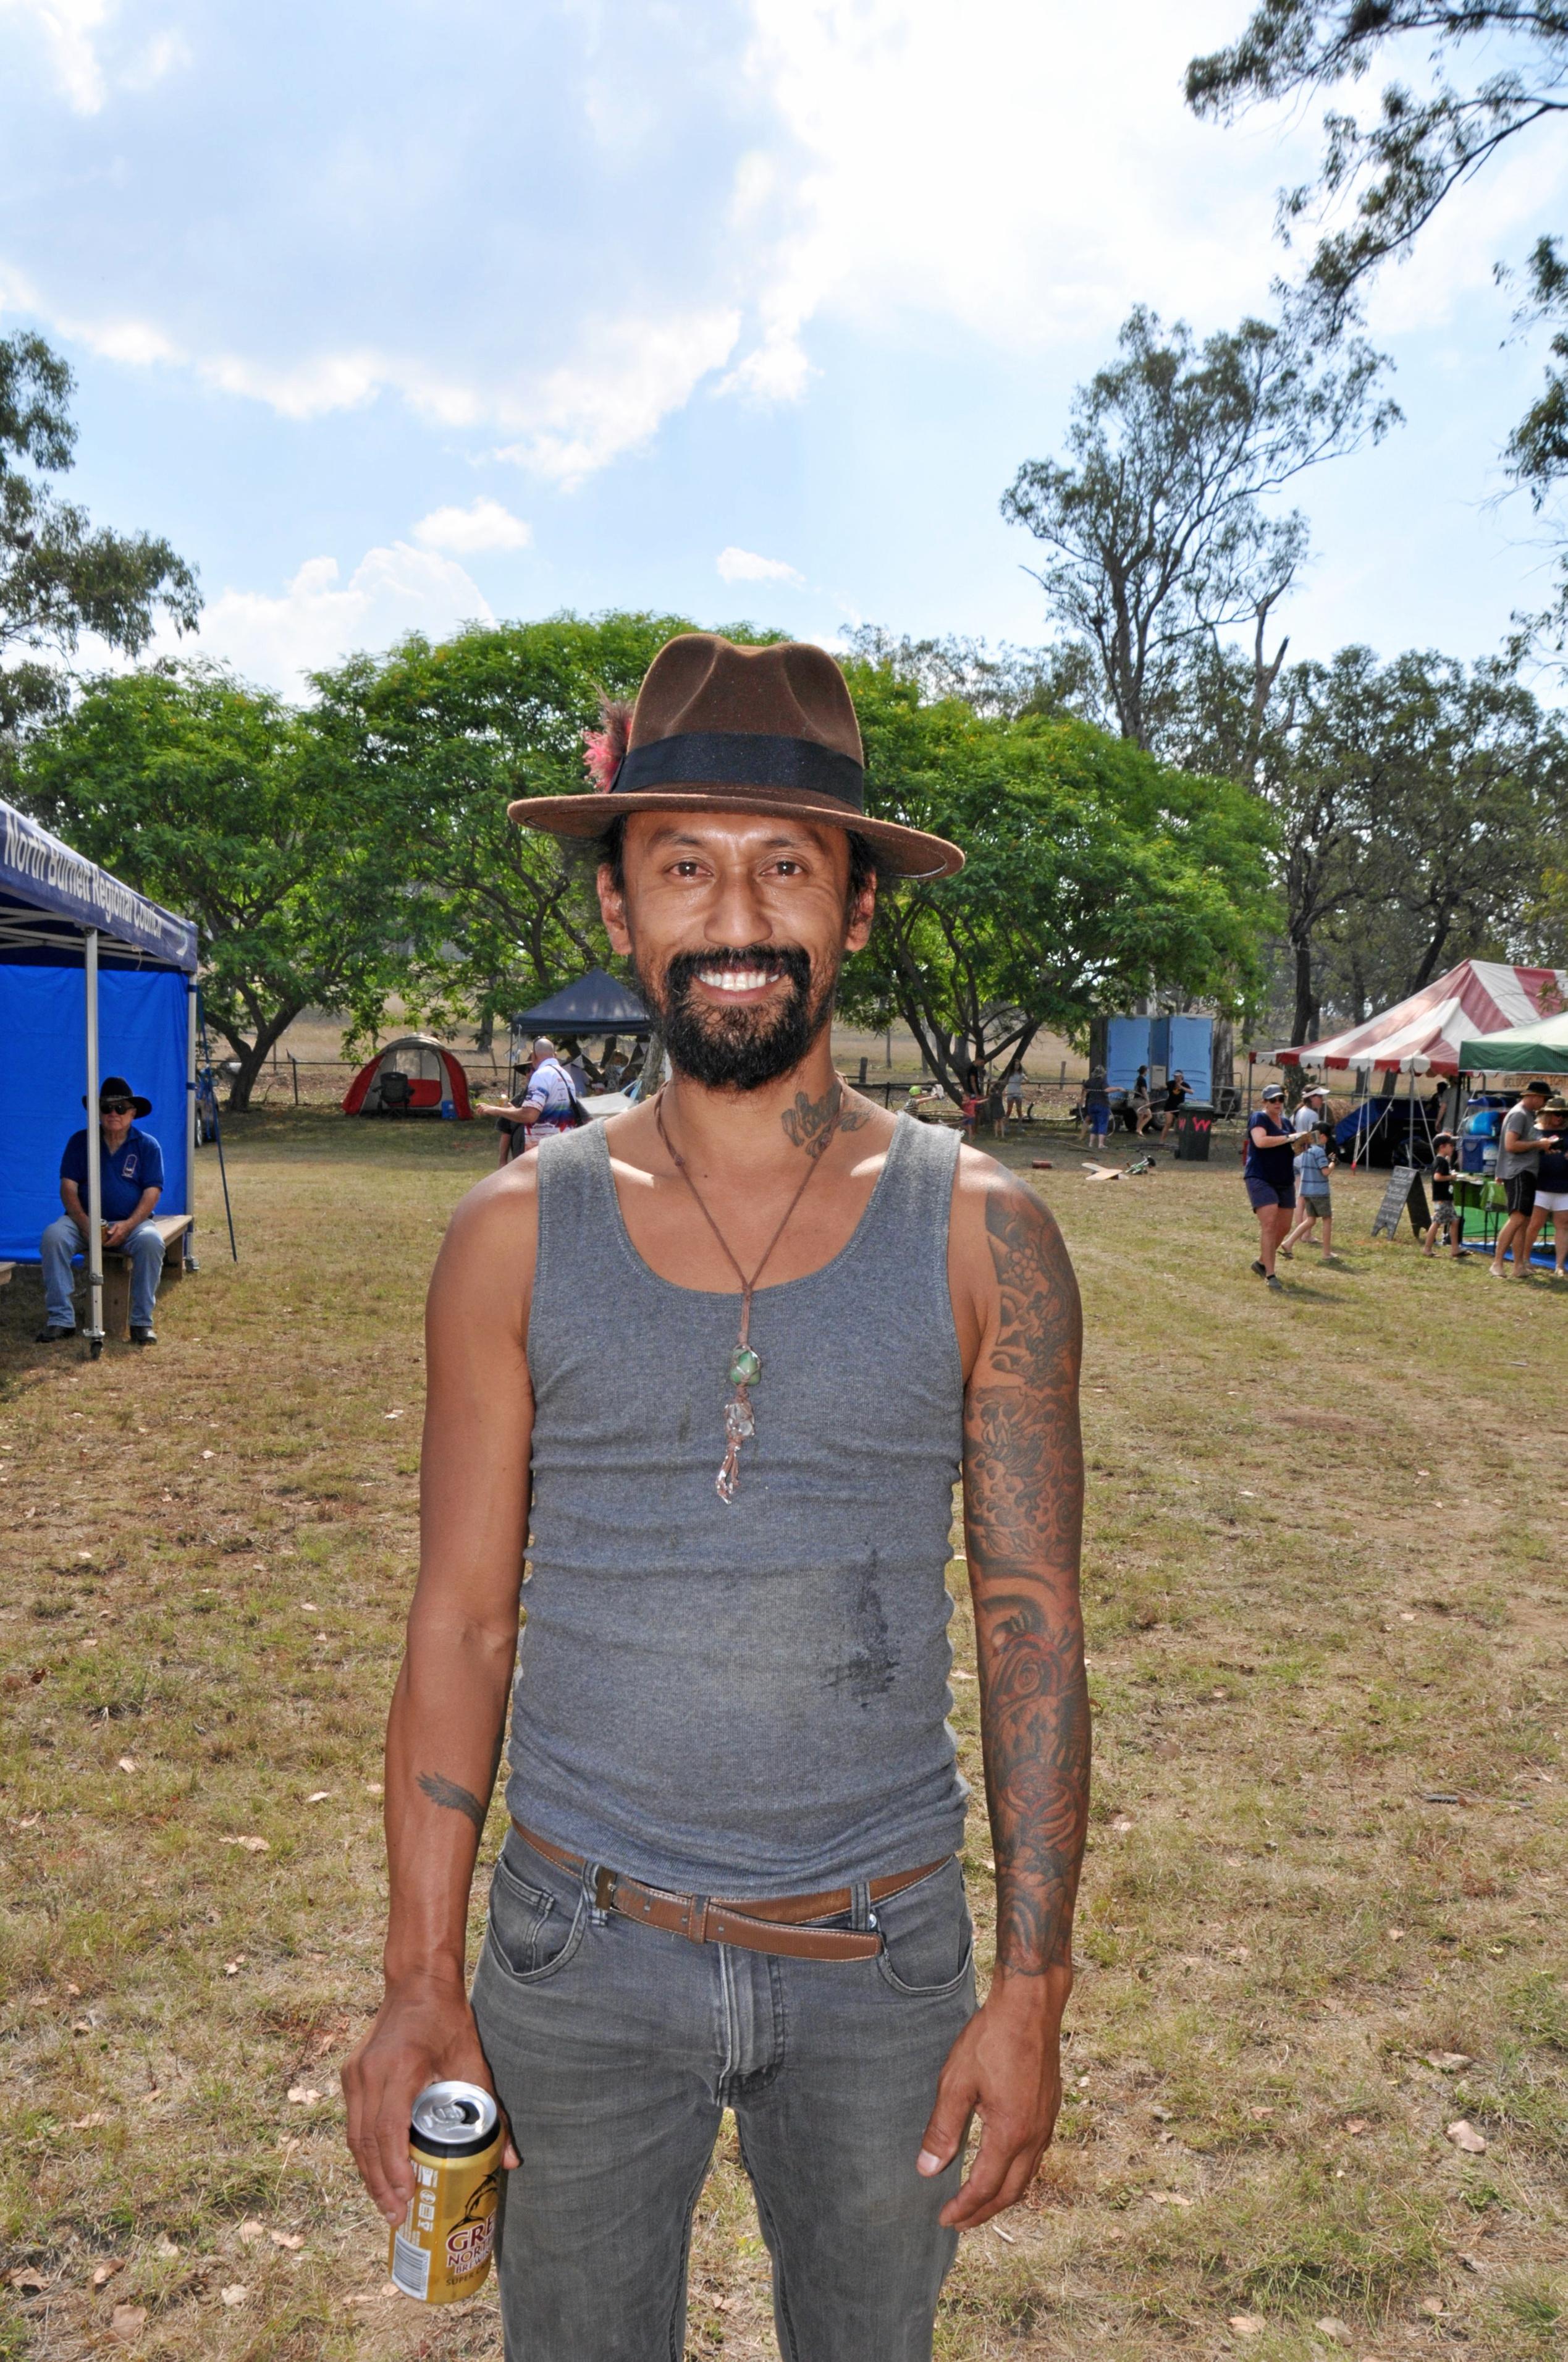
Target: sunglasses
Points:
(115, 1106)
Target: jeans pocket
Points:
(532, 1933)
(927, 1944)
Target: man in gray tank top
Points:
(708, 1371)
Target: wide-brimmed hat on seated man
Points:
(116, 1096)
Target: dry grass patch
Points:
(1298, 1971)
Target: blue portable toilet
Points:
(1126, 1049)
(1184, 1046)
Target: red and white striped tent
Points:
(1421, 1035)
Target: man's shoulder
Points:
(494, 1225)
(138, 1137)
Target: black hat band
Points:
(741, 758)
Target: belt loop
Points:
(861, 1917)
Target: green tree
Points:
(58, 575)
(1487, 71)
(1157, 524)
(1094, 874)
(221, 803)
(1415, 807)
(452, 731)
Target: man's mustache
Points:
(790, 960)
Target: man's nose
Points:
(736, 915)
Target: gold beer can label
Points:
(442, 2249)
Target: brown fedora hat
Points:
(721, 728)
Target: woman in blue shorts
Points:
(1270, 1176)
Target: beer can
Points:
(441, 2250)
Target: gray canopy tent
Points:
(597, 1005)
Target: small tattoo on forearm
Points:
(452, 1798)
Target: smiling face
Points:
(114, 1120)
(737, 928)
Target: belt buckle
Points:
(605, 1884)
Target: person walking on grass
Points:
(1312, 1169)
(1519, 1158)
(1312, 1111)
(714, 1365)
(1269, 1174)
(1447, 1218)
(1141, 1107)
(1096, 1108)
(1551, 1186)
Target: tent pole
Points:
(94, 1169)
(217, 1125)
(190, 1256)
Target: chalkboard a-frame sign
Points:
(1405, 1188)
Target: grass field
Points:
(1325, 1586)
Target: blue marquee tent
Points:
(94, 979)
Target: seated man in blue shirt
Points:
(130, 1172)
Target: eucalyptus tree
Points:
(1478, 75)
(1161, 524)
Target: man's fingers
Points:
(997, 2179)
(1013, 2187)
(944, 2135)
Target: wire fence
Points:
(287, 1081)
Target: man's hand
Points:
(1005, 2066)
(424, 2033)
(115, 1233)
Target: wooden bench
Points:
(172, 1228)
(6, 1271)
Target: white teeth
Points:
(733, 979)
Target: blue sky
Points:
(392, 313)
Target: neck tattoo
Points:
(745, 1362)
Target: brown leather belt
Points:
(771, 1927)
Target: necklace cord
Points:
(748, 1286)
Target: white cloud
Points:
(71, 30)
(317, 619)
(627, 378)
(484, 524)
(1022, 171)
(745, 566)
(68, 28)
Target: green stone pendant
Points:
(745, 1366)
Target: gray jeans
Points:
(615, 2049)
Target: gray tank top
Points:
(746, 1700)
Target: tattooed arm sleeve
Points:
(1023, 1515)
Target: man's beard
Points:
(737, 1049)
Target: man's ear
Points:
(862, 910)
(612, 910)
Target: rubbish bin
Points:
(1192, 1128)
